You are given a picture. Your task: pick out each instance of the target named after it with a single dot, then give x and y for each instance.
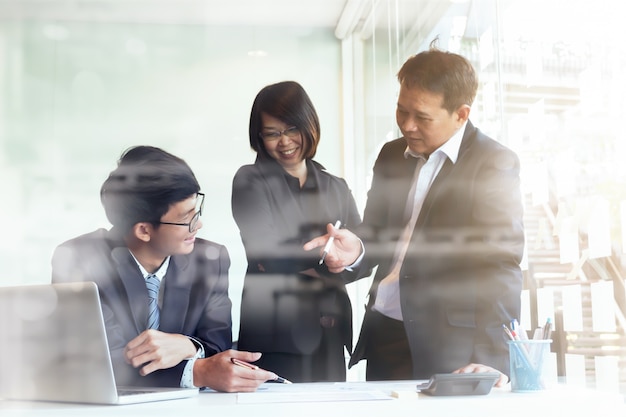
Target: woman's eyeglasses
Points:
(290, 132)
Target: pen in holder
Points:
(529, 360)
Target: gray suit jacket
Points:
(194, 290)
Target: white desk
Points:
(561, 401)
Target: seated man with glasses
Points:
(164, 292)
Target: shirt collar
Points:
(450, 148)
(311, 182)
(160, 273)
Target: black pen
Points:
(243, 364)
(329, 243)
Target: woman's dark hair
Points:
(288, 102)
(146, 182)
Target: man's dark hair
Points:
(146, 182)
(443, 73)
(288, 102)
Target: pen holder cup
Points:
(530, 365)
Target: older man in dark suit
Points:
(164, 292)
(443, 223)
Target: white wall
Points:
(73, 96)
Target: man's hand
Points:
(343, 252)
(219, 373)
(477, 368)
(153, 350)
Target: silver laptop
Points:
(53, 347)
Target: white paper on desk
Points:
(290, 396)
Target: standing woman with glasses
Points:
(294, 311)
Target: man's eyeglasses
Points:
(290, 132)
(193, 223)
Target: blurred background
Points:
(82, 80)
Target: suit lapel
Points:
(319, 213)
(448, 169)
(175, 291)
(134, 284)
(406, 167)
(278, 190)
(287, 205)
(435, 189)
(398, 178)
(176, 294)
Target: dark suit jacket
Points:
(460, 280)
(194, 291)
(281, 308)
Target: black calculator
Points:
(459, 384)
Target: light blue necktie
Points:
(153, 283)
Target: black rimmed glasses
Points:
(290, 132)
(193, 223)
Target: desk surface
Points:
(349, 399)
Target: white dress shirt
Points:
(186, 380)
(388, 293)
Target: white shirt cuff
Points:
(356, 263)
(186, 381)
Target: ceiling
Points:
(317, 13)
(344, 16)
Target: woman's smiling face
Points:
(286, 149)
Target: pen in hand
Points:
(329, 243)
(243, 364)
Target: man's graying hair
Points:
(440, 72)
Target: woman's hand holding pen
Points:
(344, 251)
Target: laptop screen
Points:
(53, 345)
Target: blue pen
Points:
(522, 353)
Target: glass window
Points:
(552, 89)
